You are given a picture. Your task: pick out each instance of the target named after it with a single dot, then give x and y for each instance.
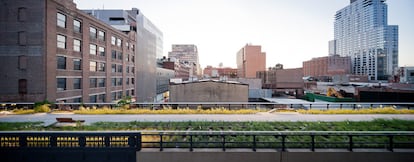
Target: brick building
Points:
(209, 91)
(281, 80)
(250, 59)
(327, 66)
(56, 52)
(215, 72)
(181, 69)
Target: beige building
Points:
(209, 91)
(56, 52)
(250, 59)
(187, 53)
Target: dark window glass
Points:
(22, 86)
(61, 84)
(61, 62)
(77, 83)
(77, 64)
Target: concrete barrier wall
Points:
(217, 156)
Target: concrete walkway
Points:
(51, 118)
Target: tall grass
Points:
(221, 110)
(385, 110)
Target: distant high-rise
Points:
(187, 53)
(362, 32)
(250, 59)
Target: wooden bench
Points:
(68, 120)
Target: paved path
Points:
(51, 118)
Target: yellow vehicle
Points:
(331, 92)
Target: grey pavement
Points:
(51, 118)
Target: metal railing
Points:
(279, 140)
(60, 139)
(226, 105)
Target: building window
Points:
(61, 62)
(127, 69)
(92, 32)
(113, 54)
(61, 41)
(101, 67)
(119, 81)
(118, 42)
(76, 45)
(92, 49)
(101, 97)
(77, 64)
(61, 20)
(22, 39)
(93, 98)
(101, 35)
(77, 82)
(113, 68)
(101, 51)
(132, 92)
(61, 84)
(77, 26)
(120, 55)
(113, 82)
(132, 69)
(132, 80)
(22, 14)
(92, 83)
(113, 96)
(113, 40)
(119, 95)
(127, 81)
(22, 86)
(92, 66)
(132, 58)
(101, 82)
(119, 68)
(77, 100)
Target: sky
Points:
(289, 31)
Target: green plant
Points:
(124, 102)
(43, 106)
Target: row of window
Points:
(93, 82)
(62, 60)
(94, 33)
(96, 66)
(61, 83)
(77, 27)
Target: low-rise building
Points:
(283, 80)
(214, 72)
(209, 91)
(327, 66)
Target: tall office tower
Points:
(187, 53)
(250, 59)
(149, 46)
(50, 50)
(362, 32)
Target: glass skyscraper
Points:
(361, 31)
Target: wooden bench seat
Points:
(68, 120)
